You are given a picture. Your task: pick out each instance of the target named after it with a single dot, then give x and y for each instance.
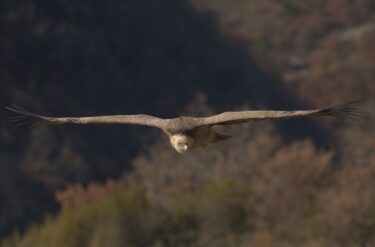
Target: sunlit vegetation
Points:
(252, 190)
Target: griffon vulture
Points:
(185, 132)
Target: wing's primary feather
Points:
(227, 118)
(29, 118)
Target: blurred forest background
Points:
(303, 182)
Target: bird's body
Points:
(196, 138)
(186, 133)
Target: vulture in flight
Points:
(186, 132)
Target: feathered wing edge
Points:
(25, 117)
(347, 110)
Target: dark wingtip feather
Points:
(25, 117)
(346, 110)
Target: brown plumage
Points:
(186, 133)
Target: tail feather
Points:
(219, 137)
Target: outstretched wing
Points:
(227, 118)
(29, 118)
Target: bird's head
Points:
(181, 143)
